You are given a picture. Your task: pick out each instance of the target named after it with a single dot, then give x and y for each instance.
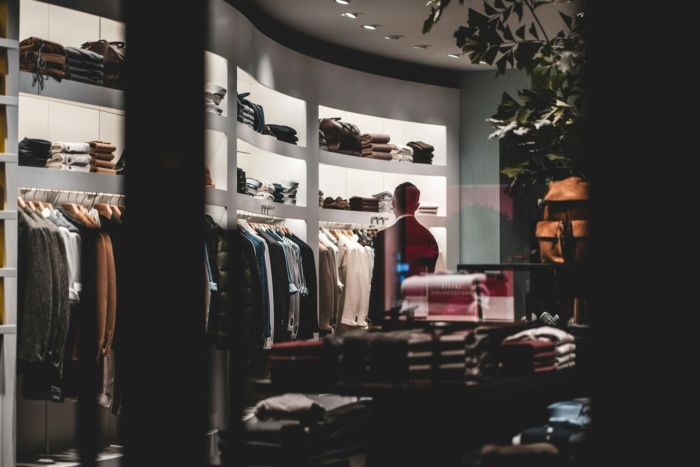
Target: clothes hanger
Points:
(74, 209)
(104, 209)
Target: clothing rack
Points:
(58, 197)
(260, 218)
(347, 226)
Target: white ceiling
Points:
(321, 19)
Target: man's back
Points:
(402, 250)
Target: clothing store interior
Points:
(389, 262)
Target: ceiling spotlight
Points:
(352, 15)
(421, 46)
(371, 26)
(394, 37)
(344, 2)
(454, 55)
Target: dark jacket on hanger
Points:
(219, 256)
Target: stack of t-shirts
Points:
(213, 95)
(367, 204)
(337, 203)
(401, 153)
(260, 188)
(43, 59)
(102, 153)
(33, 152)
(84, 65)
(384, 198)
(483, 357)
(376, 146)
(564, 343)
(568, 429)
(281, 132)
(288, 190)
(298, 361)
(427, 207)
(69, 156)
(399, 356)
(451, 351)
(467, 355)
(422, 152)
(276, 434)
(245, 115)
(344, 426)
(527, 356)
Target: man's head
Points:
(406, 199)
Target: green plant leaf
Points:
(538, 152)
(489, 10)
(507, 34)
(533, 31)
(568, 20)
(518, 9)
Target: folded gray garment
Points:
(74, 159)
(82, 55)
(289, 406)
(213, 88)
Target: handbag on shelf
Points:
(563, 234)
(562, 241)
(569, 198)
(114, 53)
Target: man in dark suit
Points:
(404, 249)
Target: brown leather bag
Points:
(569, 198)
(563, 241)
(342, 137)
(564, 231)
(114, 53)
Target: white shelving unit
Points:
(243, 61)
(9, 60)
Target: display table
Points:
(435, 424)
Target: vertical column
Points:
(164, 419)
(9, 71)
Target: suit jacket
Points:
(404, 249)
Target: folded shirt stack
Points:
(67, 155)
(422, 152)
(376, 146)
(213, 95)
(102, 160)
(84, 65)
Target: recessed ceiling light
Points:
(421, 46)
(454, 55)
(344, 2)
(371, 26)
(352, 15)
(394, 37)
